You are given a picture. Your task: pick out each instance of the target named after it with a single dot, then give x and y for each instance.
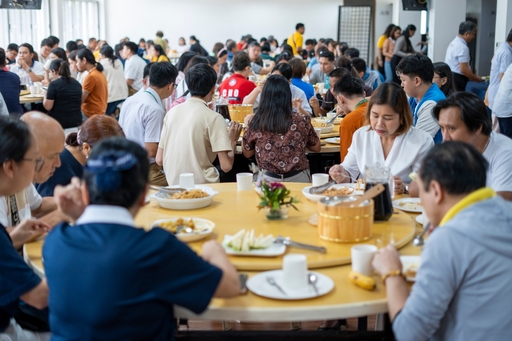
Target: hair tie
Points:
(108, 167)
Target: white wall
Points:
(503, 21)
(444, 19)
(214, 21)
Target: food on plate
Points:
(245, 241)
(333, 191)
(361, 184)
(362, 281)
(410, 205)
(191, 194)
(317, 124)
(171, 225)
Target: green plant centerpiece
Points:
(276, 200)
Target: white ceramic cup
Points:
(34, 90)
(244, 181)
(187, 180)
(331, 114)
(319, 179)
(362, 256)
(295, 271)
(318, 132)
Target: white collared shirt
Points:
(37, 68)
(405, 156)
(106, 214)
(142, 117)
(134, 69)
(456, 53)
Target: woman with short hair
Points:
(389, 139)
(279, 136)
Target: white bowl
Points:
(317, 197)
(327, 129)
(331, 114)
(187, 204)
(204, 226)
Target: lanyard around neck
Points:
(151, 96)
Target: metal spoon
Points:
(183, 229)
(329, 121)
(272, 281)
(418, 240)
(312, 279)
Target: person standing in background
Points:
(159, 40)
(380, 48)
(295, 40)
(458, 58)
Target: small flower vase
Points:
(280, 214)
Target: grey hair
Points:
(467, 27)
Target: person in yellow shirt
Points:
(157, 54)
(295, 40)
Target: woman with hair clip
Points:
(95, 88)
(64, 96)
(280, 136)
(403, 48)
(443, 77)
(114, 72)
(78, 147)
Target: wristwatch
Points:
(391, 274)
(29, 70)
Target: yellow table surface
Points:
(232, 210)
(29, 99)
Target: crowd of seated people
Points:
(121, 118)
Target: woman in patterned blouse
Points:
(279, 136)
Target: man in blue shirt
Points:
(112, 281)
(10, 87)
(416, 74)
(463, 286)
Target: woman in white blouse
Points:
(390, 140)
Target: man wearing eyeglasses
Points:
(326, 63)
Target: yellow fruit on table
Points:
(362, 281)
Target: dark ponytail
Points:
(406, 33)
(108, 52)
(89, 57)
(72, 140)
(61, 67)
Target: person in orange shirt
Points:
(94, 88)
(351, 100)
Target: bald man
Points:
(28, 203)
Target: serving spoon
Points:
(418, 240)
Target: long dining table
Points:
(232, 210)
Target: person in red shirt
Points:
(236, 87)
(350, 96)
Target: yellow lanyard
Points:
(477, 196)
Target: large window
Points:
(80, 19)
(24, 26)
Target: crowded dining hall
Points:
(343, 171)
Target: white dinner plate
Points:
(409, 262)
(333, 140)
(204, 228)
(337, 121)
(259, 285)
(271, 251)
(317, 197)
(420, 219)
(409, 205)
(187, 204)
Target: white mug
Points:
(244, 181)
(319, 179)
(295, 271)
(34, 90)
(187, 181)
(362, 256)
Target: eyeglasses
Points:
(39, 163)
